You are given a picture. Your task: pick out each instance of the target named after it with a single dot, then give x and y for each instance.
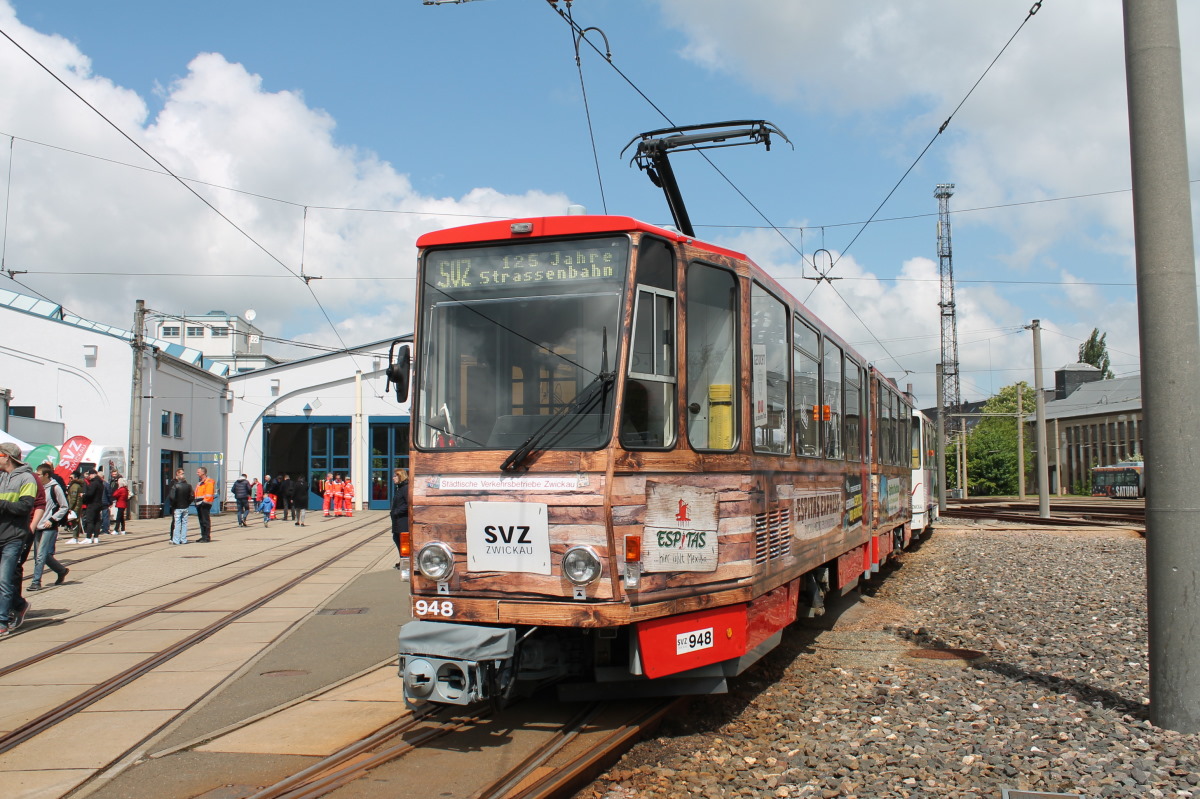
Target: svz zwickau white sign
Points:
(681, 529)
(508, 537)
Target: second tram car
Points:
(636, 459)
(924, 473)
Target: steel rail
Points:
(332, 780)
(89, 697)
(569, 777)
(116, 625)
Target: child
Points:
(266, 507)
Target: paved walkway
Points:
(174, 592)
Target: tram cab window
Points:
(648, 409)
(769, 372)
(853, 411)
(806, 383)
(832, 420)
(713, 392)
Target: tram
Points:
(924, 490)
(1124, 480)
(636, 458)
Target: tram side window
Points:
(769, 375)
(832, 409)
(648, 410)
(853, 411)
(918, 451)
(712, 331)
(806, 379)
(885, 425)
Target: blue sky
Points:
(476, 109)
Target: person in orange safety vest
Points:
(337, 495)
(327, 491)
(347, 497)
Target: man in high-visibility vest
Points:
(337, 495)
(206, 492)
(347, 497)
(327, 491)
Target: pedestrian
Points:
(337, 494)
(206, 493)
(300, 499)
(46, 534)
(75, 503)
(242, 492)
(267, 508)
(327, 491)
(181, 501)
(121, 503)
(271, 489)
(285, 496)
(258, 491)
(347, 497)
(93, 499)
(106, 502)
(399, 508)
(18, 491)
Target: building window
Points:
(178, 425)
(166, 423)
(195, 331)
(220, 332)
(275, 388)
(89, 354)
(170, 331)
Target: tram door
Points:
(328, 451)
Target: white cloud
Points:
(1049, 120)
(73, 214)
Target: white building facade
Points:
(327, 413)
(321, 415)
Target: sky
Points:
(324, 140)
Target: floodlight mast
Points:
(653, 147)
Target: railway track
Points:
(1070, 513)
(571, 754)
(107, 686)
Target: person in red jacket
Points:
(121, 501)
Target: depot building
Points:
(209, 397)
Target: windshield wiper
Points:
(592, 392)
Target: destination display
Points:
(528, 265)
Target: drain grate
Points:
(341, 611)
(949, 654)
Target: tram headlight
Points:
(581, 565)
(435, 561)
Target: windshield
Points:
(510, 334)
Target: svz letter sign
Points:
(508, 537)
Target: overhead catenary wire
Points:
(180, 181)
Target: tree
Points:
(1095, 352)
(992, 445)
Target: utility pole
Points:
(941, 443)
(1043, 468)
(962, 474)
(135, 411)
(949, 382)
(1170, 350)
(1020, 446)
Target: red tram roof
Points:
(580, 225)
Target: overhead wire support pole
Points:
(1170, 351)
(1043, 466)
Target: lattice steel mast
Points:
(951, 396)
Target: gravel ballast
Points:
(1056, 703)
